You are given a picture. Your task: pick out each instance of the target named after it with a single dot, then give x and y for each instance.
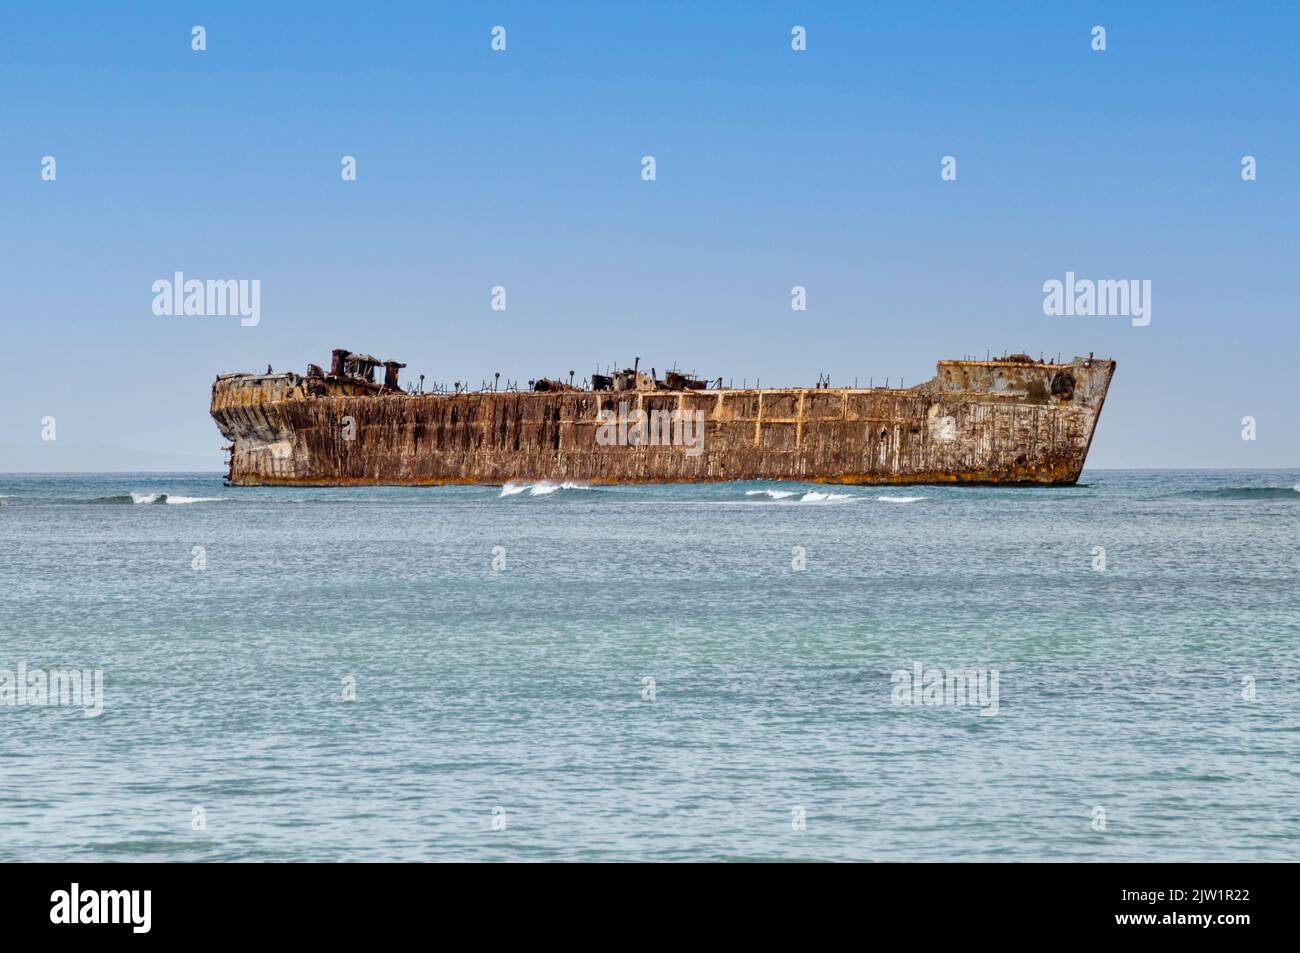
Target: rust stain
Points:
(1011, 421)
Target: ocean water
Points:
(464, 673)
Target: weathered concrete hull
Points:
(975, 422)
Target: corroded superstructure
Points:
(1010, 420)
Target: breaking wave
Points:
(815, 496)
(802, 496)
(545, 488)
(166, 498)
(900, 499)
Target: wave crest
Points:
(544, 488)
(163, 498)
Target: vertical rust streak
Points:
(798, 426)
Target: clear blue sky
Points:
(775, 169)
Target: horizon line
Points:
(221, 472)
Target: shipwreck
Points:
(1008, 420)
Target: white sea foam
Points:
(813, 496)
(900, 499)
(545, 488)
(773, 494)
(172, 499)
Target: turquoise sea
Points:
(653, 673)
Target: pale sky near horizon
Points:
(774, 168)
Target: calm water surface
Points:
(523, 688)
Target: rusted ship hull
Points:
(1003, 422)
